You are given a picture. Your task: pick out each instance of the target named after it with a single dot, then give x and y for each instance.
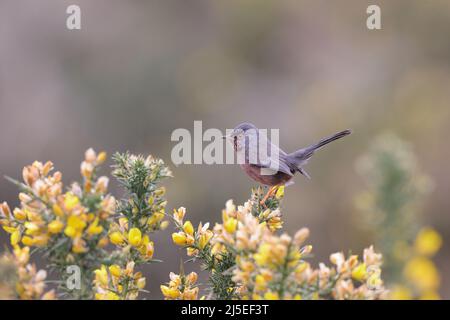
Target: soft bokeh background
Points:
(140, 69)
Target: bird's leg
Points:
(269, 194)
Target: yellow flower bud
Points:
(19, 214)
(70, 231)
(230, 225)
(31, 226)
(192, 278)
(77, 223)
(171, 293)
(112, 296)
(141, 283)
(57, 210)
(55, 226)
(164, 225)
(101, 157)
(204, 239)
(160, 191)
(188, 228)
(134, 237)
(9, 229)
(271, 296)
(399, 292)
(79, 246)
(155, 218)
(115, 270)
(360, 272)
(280, 192)
(15, 238)
(28, 241)
(179, 238)
(428, 242)
(101, 276)
(94, 228)
(70, 201)
(117, 238)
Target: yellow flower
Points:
(428, 242)
(204, 239)
(19, 214)
(57, 210)
(112, 296)
(171, 293)
(31, 227)
(55, 226)
(94, 228)
(164, 225)
(9, 229)
(179, 214)
(70, 201)
(230, 225)
(430, 295)
(280, 192)
(262, 257)
(260, 282)
(269, 295)
(359, 273)
(140, 283)
(422, 273)
(40, 240)
(101, 157)
(179, 238)
(101, 276)
(400, 293)
(28, 241)
(117, 238)
(115, 270)
(134, 237)
(155, 218)
(79, 246)
(15, 238)
(74, 227)
(188, 228)
(160, 191)
(22, 254)
(71, 232)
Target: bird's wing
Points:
(272, 158)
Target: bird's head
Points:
(237, 136)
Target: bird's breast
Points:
(254, 172)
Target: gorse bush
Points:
(391, 210)
(247, 259)
(246, 255)
(74, 228)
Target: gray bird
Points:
(265, 162)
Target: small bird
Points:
(273, 167)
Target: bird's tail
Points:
(327, 140)
(300, 157)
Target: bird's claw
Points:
(269, 194)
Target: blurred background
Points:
(137, 70)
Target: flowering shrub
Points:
(248, 260)
(391, 208)
(73, 228)
(246, 255)
(140, 214)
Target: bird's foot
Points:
(269, 194)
